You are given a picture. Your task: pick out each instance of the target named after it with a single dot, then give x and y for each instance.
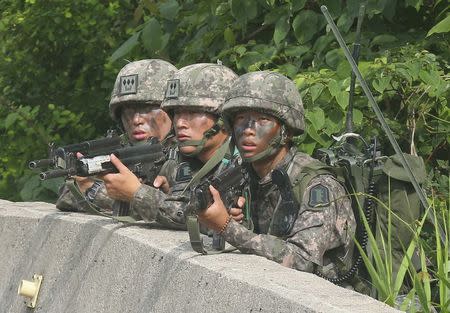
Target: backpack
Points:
(368, 175)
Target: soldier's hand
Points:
(162, 183)
(83, 183)
(236, 213)
(122, 185)
(216, 215)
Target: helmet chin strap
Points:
(274, 145)
(200, 144)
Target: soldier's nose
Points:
(137, 120)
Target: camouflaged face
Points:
(141, 81)
(198, 87)
(267, 92)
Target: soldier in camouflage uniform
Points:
(265, 111)
(135, 106)
(192, 99)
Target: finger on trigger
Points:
(214, 193)
(241, 201)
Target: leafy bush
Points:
(59, 60)
(65, 53)
(55, 82)
(28, 138)
(407, 70)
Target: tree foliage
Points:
(67, 53)
(59, 60)
(55, 80)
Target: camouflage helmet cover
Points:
(267, 92)
(198, 87)
(142, 81)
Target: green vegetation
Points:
(428, 288)
(59, 60)
(55, 81)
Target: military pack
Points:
(381, 193)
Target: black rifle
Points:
(230, 184)
(144, 160)
(62, 158)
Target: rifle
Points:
(230, 184)
(64, 157)
(384, 125)
(143, 160)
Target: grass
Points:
(430, 284)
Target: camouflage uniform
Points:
(141, 81)
(169, 209)
(320, 236)
(199, 88)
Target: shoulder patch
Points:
(319, 195)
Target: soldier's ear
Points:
(284, 133)
(287, 135)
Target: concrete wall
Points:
(92, 264)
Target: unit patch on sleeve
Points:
(319, 196)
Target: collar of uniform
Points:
(284, 164)
(195, 163)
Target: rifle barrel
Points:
(40, 163)
(56, 173)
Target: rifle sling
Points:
(209, 165)
(194, 234)
(192, 224)
(90, 207)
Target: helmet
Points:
(199, 87)
(267, 92)
(141, 81)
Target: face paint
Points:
(142, 121)
(254, 131)
(191, 126)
